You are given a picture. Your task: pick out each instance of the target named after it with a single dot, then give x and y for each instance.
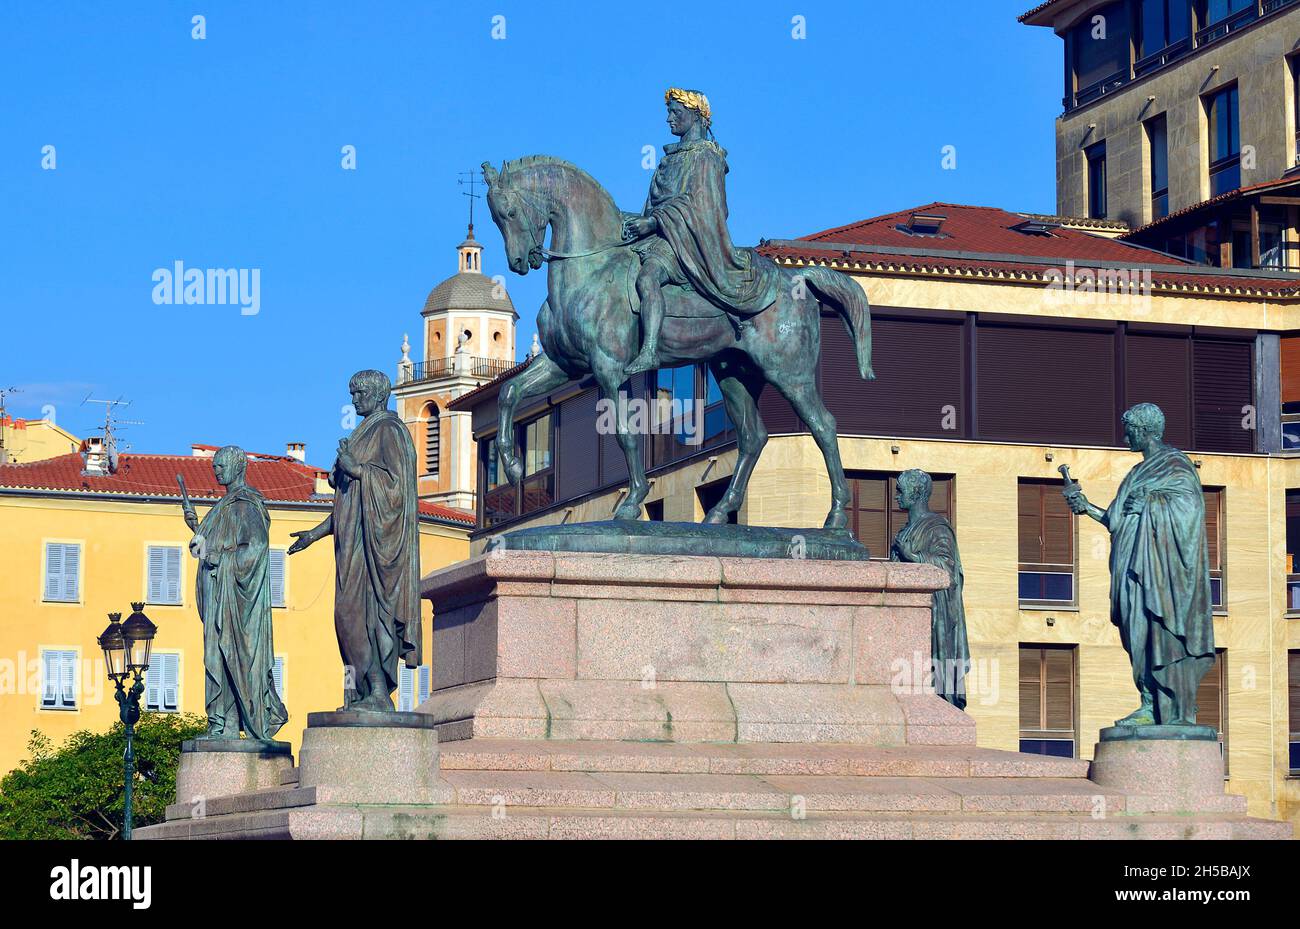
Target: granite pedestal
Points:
(692, 648)
(222, 767)
(1165, 769)
(366, 757)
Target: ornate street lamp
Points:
(127, 646)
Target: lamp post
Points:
(127, 646)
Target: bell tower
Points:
(468, 325)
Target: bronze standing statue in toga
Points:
(375, 525)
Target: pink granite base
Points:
(533, 645)
(1166, 775)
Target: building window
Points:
(63, 572)
(1223, 112)
(432, 440)
(1293, 551)
(1158, 139)
(1293, 705)
(1099, 52)
(1215, 537)
(277, 676)
(412, 687)
(277, 567)
(1096, 155)
(164, 575)
(162, 683)
(716, 420)
(1047, 700)
(710, 495)
(499, 497)
(1212, 702)
(539, 477)
(58, 679)
(1046, 541)
(1164, 23)
(654, 511)
(874, 516)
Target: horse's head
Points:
(521, 219)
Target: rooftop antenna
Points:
(4, 450)
(472, 180)
(111, 423)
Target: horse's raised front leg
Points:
(539, 377)
(609, 375)
(740, 385)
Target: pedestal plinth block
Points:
(1165, 769)
(353, 757)
(693, 648)
(223, 767)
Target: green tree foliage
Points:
(74, 791)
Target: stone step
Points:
(290, 777)
(270, 798)
(751, 758)
(468, 822)
(773, 793)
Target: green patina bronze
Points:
(928, 539)
(657, 538)
(664, 288)
(233, 592)
(1159, 573)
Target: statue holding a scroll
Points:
(1159, 572)
(233, 593)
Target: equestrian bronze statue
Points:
(664, 288)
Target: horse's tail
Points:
(850, 301)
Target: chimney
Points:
(99, 456)
(202, 451)
(297, 450)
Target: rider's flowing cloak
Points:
(377, 553)
(932, 540)
(1160, 567)
(233, 594)
(688, 199)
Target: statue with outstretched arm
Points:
(375, 525)
(1159, 572)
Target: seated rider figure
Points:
(681, 235)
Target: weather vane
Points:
(473, 178)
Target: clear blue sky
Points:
(225, 152)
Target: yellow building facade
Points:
(116, 530)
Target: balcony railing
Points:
(1163, 57)
(456, 366)
(1098, 89)
(1272, 6)
(1225, 27)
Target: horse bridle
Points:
(537, 229)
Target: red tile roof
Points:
(1041, 8)
(1230, 195)
(981, 241)
(280, 479)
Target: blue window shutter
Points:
(405, 689)
(155, 592)
(275, 573)
(153, 683)
(69, 695)
(171, 673)
(277, 676)
(424, 683)
(49, 678)
(173, 574)
(71, 571)
(53, 571)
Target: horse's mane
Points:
(536, 161)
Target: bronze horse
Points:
(589, 325)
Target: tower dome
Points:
(469, 289)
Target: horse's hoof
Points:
(627, 512)
(715, 518)
(837, 519)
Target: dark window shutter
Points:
(613, 466)
(920, 369)
(1293, 690)
(1214, 526)
(577, 444)
(1158, 369)
(1209, 696)
(1059, 689)
(1222, 373)
(1030, 511)
(871, 514)
(1031, 694)
(777, 413)
(1046, 385)
(1058, 527)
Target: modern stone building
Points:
(1180, 121)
